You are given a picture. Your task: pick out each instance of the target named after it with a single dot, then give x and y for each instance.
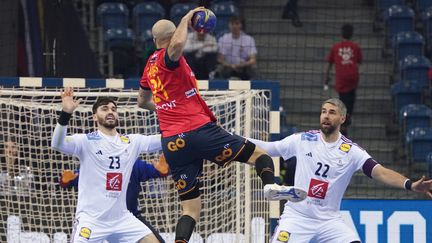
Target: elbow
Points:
(141, 104)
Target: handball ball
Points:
(204, 21)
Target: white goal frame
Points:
(203, 85)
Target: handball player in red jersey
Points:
(189, 130)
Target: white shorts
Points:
(298, 229)
(126, 229)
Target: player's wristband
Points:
(64, 118)
(408, 184)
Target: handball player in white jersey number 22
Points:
(326, 161)
(106, 161)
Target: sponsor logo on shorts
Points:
(283, 236)
(226, 154)
(345, 147)
(85, 233)
(178, 144)
(317, 189)
(180, 184)
(114, 181)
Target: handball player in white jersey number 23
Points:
(106, 161)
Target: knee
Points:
(192, 208)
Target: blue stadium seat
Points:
(407, 43)
(223, 11)
(382, 5)
(406, 92)
(429, 161)
(415, 116)
(422, 5)
(419, 141)
(121, 43)
(179, 10)
(119, 38)
(146, 14)
(415, 68)
(113, 15)
(427, 27)
(146, 38)
(398, 18)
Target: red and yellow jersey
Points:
(179, 106)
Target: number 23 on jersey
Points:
(114, 162)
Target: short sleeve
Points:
(287, 146)
(253, 49)
(358, 156)
(147, 144)
(220, 45)
(144, 81)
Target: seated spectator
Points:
(200, 52)
(14, 178)
(237, 53)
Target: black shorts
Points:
(185, 153)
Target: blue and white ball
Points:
(204, 21)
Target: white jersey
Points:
(106, 164)
(323, 169)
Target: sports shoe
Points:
(275, 192)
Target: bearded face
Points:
(109, 121)
(107, 116)
(327, 127)
(330, 119)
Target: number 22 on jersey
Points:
(322, 169)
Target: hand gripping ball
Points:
(204, 21)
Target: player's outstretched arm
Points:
(149, 144)
(59, 140)
(269, 147)
(393, 178)
(161, 166)
(145, 171)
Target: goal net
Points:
(34, 208)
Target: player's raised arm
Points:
(61, 142)
(178, 40)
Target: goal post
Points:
(33, 206)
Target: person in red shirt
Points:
(189, 130)
(346, 55)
